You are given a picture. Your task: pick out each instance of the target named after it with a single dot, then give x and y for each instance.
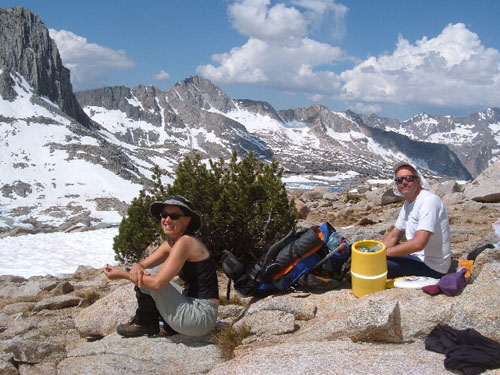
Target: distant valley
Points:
(69, 158)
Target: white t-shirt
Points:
(427, 212)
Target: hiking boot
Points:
(168, 331)
(135, 329)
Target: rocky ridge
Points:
(464, 135)
(197, 114)
(27, 49)
(67, 326)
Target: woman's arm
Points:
(157, 257)
(178, 255)
(113, 273)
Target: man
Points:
(424, 220)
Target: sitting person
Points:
(191, 310)
(424, 220)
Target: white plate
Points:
(414, 282)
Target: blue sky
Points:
(396, 58)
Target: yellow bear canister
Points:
(368, 267)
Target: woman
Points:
(190, 311)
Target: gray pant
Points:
(187, 315)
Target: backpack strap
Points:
(228, 289)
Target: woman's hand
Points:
(113, 273)
(136, 273)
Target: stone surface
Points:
(267, 322)
(116, 308)
(485, 188)
(314, 331)
(376, 322)
(58, 302)
(335, 358)
(117, 355)
(481, 298)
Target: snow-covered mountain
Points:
(196, 115)
(54, 169)
(80, 158)
(475, 139)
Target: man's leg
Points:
(409, 265)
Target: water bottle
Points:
(333, 241)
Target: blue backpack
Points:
(320, 249)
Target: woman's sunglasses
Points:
(172, 216)
(407, 178)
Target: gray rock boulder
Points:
(31, 288)
(485, 188)
(143, 355)
(480, 298)
(334, 357)
(446, 187)
(58, 302)
(267, 323)
(105, 314)
(383, 195)
(452, 199)
(28, 351)
(296, 304)
(314, 194)
(376, 322)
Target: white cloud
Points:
(453, 69)
(366, 108)
(255, 19)
(324, 16)
(278, 52)
(162, 75)
(316, 98)
(285, 65)
(90, 64)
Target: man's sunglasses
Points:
(407, 178)
(172, 216)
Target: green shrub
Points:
(243, 205)
(138, 229)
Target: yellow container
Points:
(368, 270)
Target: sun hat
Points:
(156, 208)
(423, 182)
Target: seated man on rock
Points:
(424, 220)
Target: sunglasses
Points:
(407, 178)
(164, 215)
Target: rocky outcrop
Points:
(319, 330)
(53, 326)
(26, 48)
(486, 187)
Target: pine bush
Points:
(243, 205)
(138, 229)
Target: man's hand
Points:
(417, 243)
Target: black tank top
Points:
(200, 279)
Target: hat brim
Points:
(156, 208)
(401, 164)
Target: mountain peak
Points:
(26, 48)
